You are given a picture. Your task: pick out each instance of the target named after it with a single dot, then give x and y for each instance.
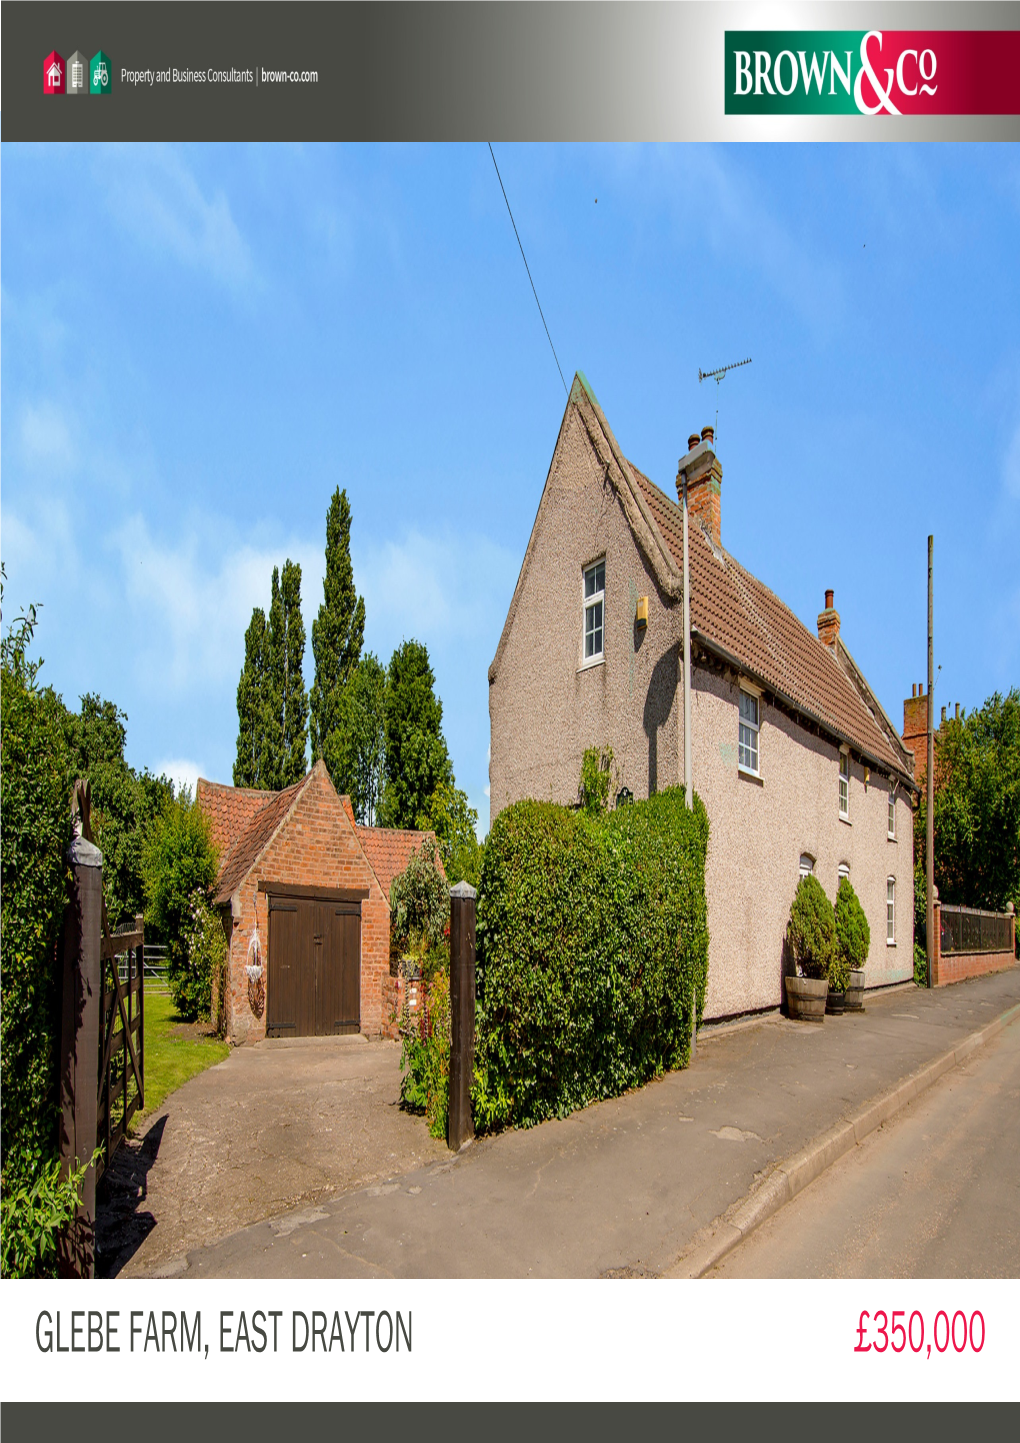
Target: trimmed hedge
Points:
(853, 935)
(36, 832)
(812, 929)
(592, 934)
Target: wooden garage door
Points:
(314, 983)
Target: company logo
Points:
(872, 72)
(77, 76)
(100, 74)
(53, 74)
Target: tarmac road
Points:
(935, 1193)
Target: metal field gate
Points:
(314, 980)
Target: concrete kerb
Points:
(793, 1174)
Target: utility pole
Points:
(930, 779)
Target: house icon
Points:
(53, 74)
(77, 74)
(100, 74)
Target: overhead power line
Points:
(524, 258)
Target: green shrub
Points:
(592, 939)
(179, 868)
(853, 935)
(596, 780)
(812, 929)
(425, 1055)
(420, 902)
(920, 965)
(35, 834)
(33, 1217)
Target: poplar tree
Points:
(249, 767)
(338, 633)
(287, 728)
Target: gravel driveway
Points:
(274, 1126)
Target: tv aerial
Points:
(717, 376)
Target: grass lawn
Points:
(171, 1059)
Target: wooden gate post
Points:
(79, 1045)
(460, 1124)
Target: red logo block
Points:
(54, 74)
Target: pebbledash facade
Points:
(319, 884)
(797, 764)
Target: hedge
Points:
(592, 934)
(34, 764)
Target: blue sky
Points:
(200, 343)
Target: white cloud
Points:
(182, 771)
(155, 196)
(46, 443)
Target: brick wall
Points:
(958, 966)
(315, 846)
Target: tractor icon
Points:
(100, 73)
(100, 76)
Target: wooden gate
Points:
(314, 982)
(121, 1036)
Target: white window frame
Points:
(806, 864)
(843, 870)
(890, 911)
(753, 729)
(844, 784)
(891, 820)
(588, 604)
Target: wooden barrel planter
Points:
(835, 1003)
(855, 992)
(806, 996)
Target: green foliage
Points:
(355, 753)
(32, 1217)
(853, 936)
(338, 634)
(34, 767)
(920, 965)
(124, 804)
(467, 860)
(977, 807)
(812, 930)
(592, 944)
(251, 765)
(420, 788)
(420, 902)
(596, 779)
(425, 1055)
(179, 865)
(287, 695)
(272, 703)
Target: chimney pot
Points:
(692, 441)
(957, 711)
(708, 434)
(828, 599)
(913, 690)
(943, 714)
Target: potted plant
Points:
(853, 939)
(811, 935)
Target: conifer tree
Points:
(338, 633)
(357, 758)
(249, 767)
(287, 728)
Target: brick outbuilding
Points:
(318, 885)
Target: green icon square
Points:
(100, 74)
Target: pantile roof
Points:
(744, 619)
(253, 839)
(389, 850)
(229, 810)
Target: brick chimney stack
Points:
(828, 623)
(915, 729)
(704, 482)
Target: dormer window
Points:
(594, 612)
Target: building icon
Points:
(53, 74)
(100, 74)
(77, 74)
